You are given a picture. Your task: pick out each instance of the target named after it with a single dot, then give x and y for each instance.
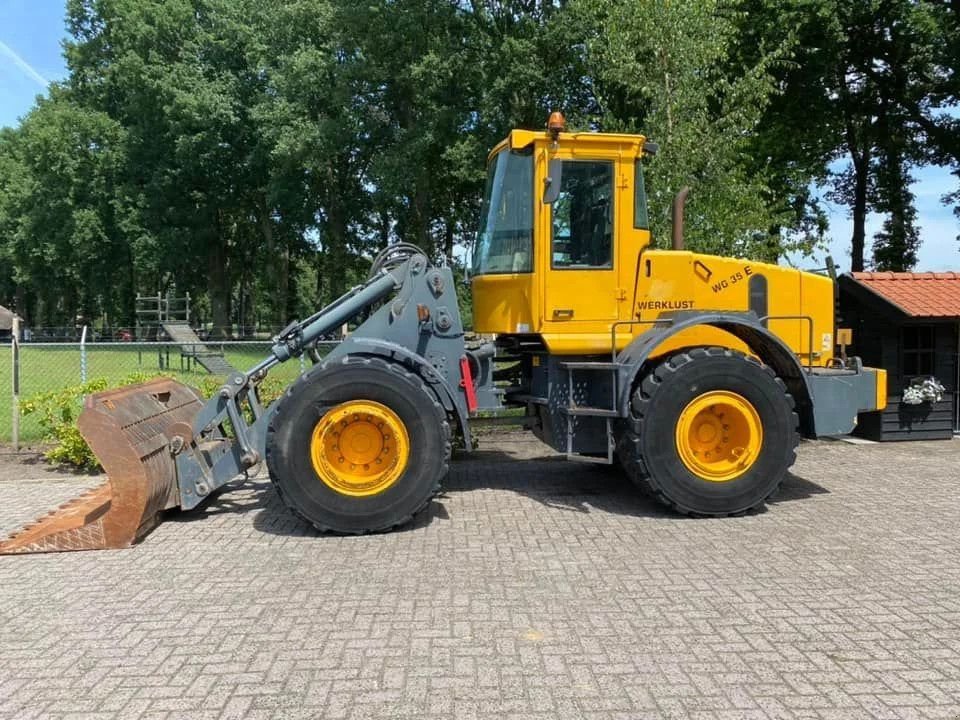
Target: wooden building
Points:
(908, 324)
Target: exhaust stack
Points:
(678, 204)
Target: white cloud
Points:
(23, 64)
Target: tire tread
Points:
(630, 444)
(304, 380)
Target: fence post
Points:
(83, 355)
(15, 359)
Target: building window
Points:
(918, 350)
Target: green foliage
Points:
(58, 412)
(270, 388)
(256, 154)
(864, 91)
(675, 81)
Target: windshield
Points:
(505, 241)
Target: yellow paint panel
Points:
(574, 296)
(881, 388)
(574, 310)
(700, 337)
(505, 304)
(576, 343)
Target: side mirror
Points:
(551, 184)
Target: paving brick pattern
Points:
(534, 588)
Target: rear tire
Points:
(344, 504)
(663, 461)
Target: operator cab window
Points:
(641, 219)
(583, 216)
(505, 241)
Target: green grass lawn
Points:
(45, 368)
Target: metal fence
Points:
(29, 369)
(143, 332)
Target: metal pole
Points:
(83, 355)
(15, 355)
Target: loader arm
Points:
(206, 457)
(163, 447)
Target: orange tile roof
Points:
(921, 294)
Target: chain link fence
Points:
(29, 369)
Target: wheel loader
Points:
(697, 375)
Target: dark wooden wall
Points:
(877, 335)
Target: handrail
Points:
(613, 331)
(808, 366)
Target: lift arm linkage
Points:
(206, 456)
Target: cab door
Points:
(580, 278)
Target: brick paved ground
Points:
(533, 589)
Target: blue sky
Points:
(939, 227)
(30, 56)
(30, 53)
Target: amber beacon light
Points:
(556, 124)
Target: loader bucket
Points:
(129, 430)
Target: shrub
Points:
(58, 411)
(270, 388)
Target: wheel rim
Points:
(719, 436)
(360, 448)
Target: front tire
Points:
(712, 432)
(358, 445)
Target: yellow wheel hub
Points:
(719, 436)
(360, 448)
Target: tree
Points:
(64, 214)
(672, 79)
(257, 153)
(177, 75)
(858, 90)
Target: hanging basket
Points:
(923, 390)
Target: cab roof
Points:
(519, 139)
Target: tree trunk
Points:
(20, 304)
(218, 283)
(278, 262)
(448, 240)
(128, 301)
(384, 229)
(336, 247)
(421, 219)
(861, 169)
